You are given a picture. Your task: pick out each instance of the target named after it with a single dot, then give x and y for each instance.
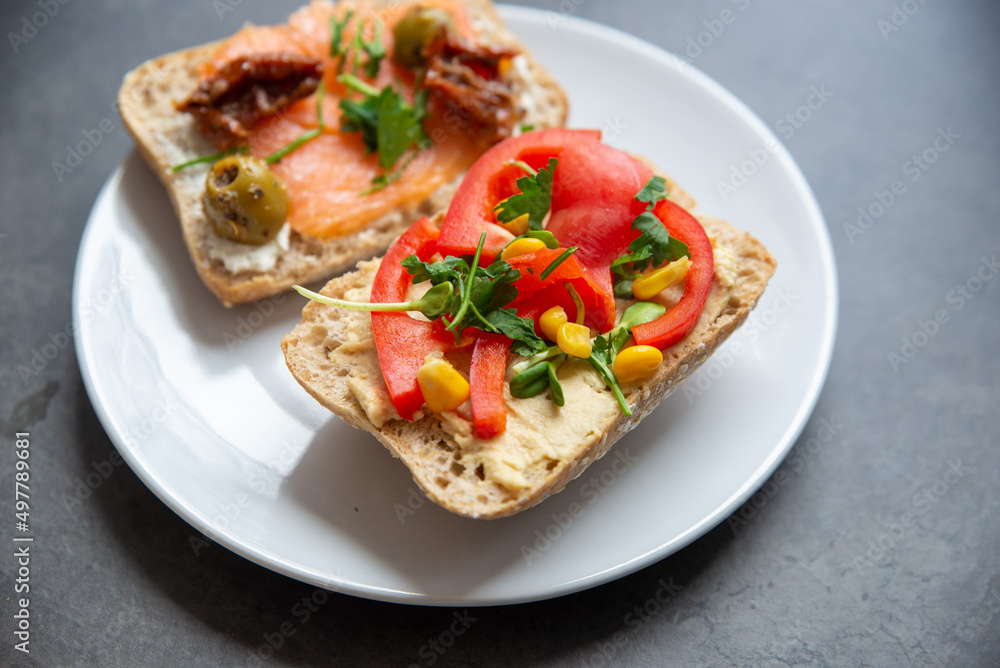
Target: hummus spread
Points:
(539, 434)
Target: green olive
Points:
(414, 31)
(245, 200)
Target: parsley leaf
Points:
(535, 198)
(375, 50)
(361, 116)
(654, 191)
(398, 127)
(478, 298)
(449, 269)
(521, 330)
(602, 358)
(337, 50)
(493, 287)
(386, 122)
(623, 288)
(607, 347)
(384, 179)
(654, 245)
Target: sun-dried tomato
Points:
(485, 60)
(229, 102)
(465, 77)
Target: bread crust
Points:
(166, 137)
(331, 350)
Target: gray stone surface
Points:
(822, 573)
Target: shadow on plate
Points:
(246, 603)
(242, 335)
(439, 555)
(149, 217)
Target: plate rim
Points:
(272, 561)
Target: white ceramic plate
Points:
(197, 399)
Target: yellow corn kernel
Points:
(574, 339)
(551, 321)
(444, 388)
(637, 363)
(649, 285)
(521, 247)
(518, 226)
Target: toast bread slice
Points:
(332, 355)
(167, 137)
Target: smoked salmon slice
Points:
(326, 176)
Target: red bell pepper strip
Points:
(486, 374)
(401, 341)
(678, 322)
(491, 180)
(593, 286)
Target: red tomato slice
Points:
(401, 341)
(491, 180)
(593, 201)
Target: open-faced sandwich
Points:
(500, 348)
(291, 152)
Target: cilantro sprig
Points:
(653, 247)
(653, 192)
(479, 298)
(388, 125)
(556, 262)
(463, 294)
(215, 157)
(535, 198)
(433, 304)
(308, 134)
(607, 347)
(602, 358)
(337, 49)
(374, 49)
